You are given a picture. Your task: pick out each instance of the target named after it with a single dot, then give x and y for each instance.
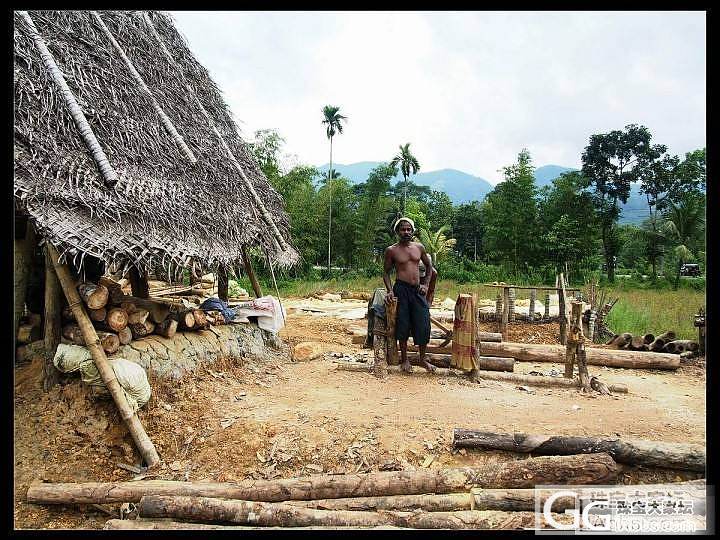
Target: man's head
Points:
(404, 227)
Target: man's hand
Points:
(423, 289)
(390, 296)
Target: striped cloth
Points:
(464, 333)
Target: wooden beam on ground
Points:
(537, 380)
(526, 473)
(530, 352)
(167, 524)
(250, 272)
(142, 441)
(556, 288)
(689, 457)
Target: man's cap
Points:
(398, 220)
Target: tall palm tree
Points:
(333, 119)
(408, 165)
(684, 221)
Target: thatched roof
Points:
(164, 210)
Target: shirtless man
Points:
(413, 310)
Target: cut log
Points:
(158, 309)
(94, 296)
(648, 339)
(125, 336)
(142, 441)
(186, 320)
(513, 500)
(28, 333)
(390, 339)
(67, 315)
(200, 319)
(117, 319)
(527, 352)
(355, 295)
(488, 363)
(526, 473)
(636, 343)
(138, 316)
(273, 514)
(620, 341)
(689, 457)
(439, 371)
(681, 345)
(141, 330)
(536, 380)
(667, 336)
(380, 367)
(166, 524)
(98, 315)
(108, 341)
(657, 345)
(167, 328)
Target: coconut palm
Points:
(408, 165)
(333, 119)
(684, 221)
(437, 245)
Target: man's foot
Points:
(406, 367)
(429, 366)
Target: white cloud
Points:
(469, 90)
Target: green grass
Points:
(638, 311)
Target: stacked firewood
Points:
(120, 318)
(665, 342)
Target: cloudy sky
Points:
(468, 90)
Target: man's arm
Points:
(425, 280)
(387, 268)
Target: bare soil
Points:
(272, 417)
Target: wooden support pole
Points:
(689, 457)
(390, 324)
(562, 310)
(537, 380)
(223, 283)
(250, 272)
(546, 312)
(580, 469)
(531, 306)
(139, 283)
(24, 246)
(380, 367)
(505, 313)
(498, 310)
(53, 323)
(511, 304)
(92, 342)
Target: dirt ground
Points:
(272, 417)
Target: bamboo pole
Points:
(86, 133)
(531, 306)
(164, 119)
(92, 342)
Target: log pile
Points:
(120, 318)
(666, 343)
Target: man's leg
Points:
(405, 365)
(427, 365)
(420, 314)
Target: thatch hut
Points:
(127, 155)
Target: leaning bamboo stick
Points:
(142, 441)
(164, 119)
(86, 133)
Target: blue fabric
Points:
(215, 304)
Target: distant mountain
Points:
(460, 186)
(463, 187)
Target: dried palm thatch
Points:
(179, 186)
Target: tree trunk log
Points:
(125, 336)
(94, 296)
(562, 310)
(681, 345)
(117, 319)
(536, 380)
(142, 441)
(139, 283)
(250, 272)
(223, 284)
(527, 352)
(141, 330)
(390, 339)
(186, 320)
(108, 341)
(137, 315)
(98, 315)
(380, 367)
(526, 473)
(488, 363)
(531, 305)
(511, 304)
(53, 324)
(648, 339)
(667, 336)
(658, 345)
(504, 319)
(166, 524)
(158, 309)
(200, 319)
(67, 315)
(167, 328)
(284, 515)
(632, 452)
(546, 311)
